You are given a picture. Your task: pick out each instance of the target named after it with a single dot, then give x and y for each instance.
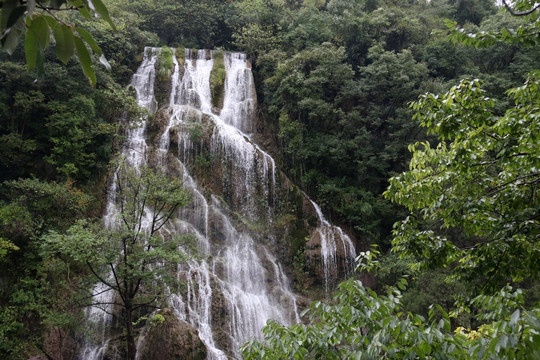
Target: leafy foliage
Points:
(363, 325)
(481, 178)
(34, 206)
(337, 78)
(37, 20)
(188, 23)
(28, 296)
(217, 78)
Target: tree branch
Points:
(117, 283)
(520, 13)
(99, 277)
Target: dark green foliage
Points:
(189, 23)
(337, 78)
(471, 11)
(335, 130)
(39, 22)
(520, 29)
(31, 206)
(57, 119)
(32, 294)
(74, 130)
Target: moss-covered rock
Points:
(217, 80)
(157, 124)
(164, 68)
(171, 339)
(165, 64)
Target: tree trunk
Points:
(130, 339)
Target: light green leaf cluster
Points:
(80, 242)
(165, 63)
(362, 325)
(481, 180)
(39, 20)
(6, 247)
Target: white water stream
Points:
(331, 238)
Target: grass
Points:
(180, 55)
(217, 78)
(165, 63)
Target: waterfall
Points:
(331, 238)
(234, 283)
(239, 104)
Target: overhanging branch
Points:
(520, 13)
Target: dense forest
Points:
(414, 124)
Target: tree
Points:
(131, 255)
(482, 180)
(36, 19)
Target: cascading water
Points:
(235, 283)
(239, 103)
(331, 238)
(236, 269)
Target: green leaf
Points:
(41, 29)
(51, 21)
(12, 25)
(31, 49)
(515, 317)
(86, 13)
(89, 40)
(40, 60)
(64, 42)
(11, 40)
(85, 60)
(101, 9)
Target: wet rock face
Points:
(172, 340)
